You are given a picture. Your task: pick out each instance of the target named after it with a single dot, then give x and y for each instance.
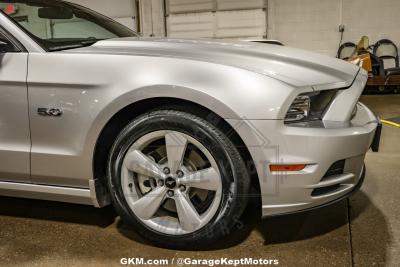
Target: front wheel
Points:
(177, 179)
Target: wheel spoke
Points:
(207, 179)
(139, 163)
(188, 216)
(147, 206)
(176, 146)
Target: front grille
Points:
(337, 168)
(324, 190)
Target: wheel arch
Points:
(115, 125)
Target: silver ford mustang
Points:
(178, 135)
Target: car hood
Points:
(296, 67)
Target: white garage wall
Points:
(123, 11)
(308, 24)
(314, 24)
(376, 19)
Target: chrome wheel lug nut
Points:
(160, 183)
(170, 193)
(166, 170)
(182, 188)
(180, 174)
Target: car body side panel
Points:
(14, 119)
(91, 89)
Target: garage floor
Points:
(39, 233)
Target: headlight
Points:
(299, 109)
(310, 106)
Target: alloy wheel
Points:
(171, 182)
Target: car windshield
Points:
(57, 25)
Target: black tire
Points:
(234, 175)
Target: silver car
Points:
(178, 135)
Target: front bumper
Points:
(322, 146)
(353, 191)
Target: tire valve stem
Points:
(130, 185)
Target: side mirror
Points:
(3, 46)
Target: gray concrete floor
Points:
(364, 233)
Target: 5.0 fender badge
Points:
(53, 112)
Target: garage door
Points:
(217, 18)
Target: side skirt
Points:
(45, 192)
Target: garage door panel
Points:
(191, 25)
(248, 23)
(222, 24)
(186, 6)
(224, 18)
(240, 4)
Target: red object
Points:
(10, 9)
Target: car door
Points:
(15, 141)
